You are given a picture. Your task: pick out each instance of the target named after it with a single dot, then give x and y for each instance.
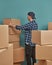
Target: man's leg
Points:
(33, 54)
(28, 59)
(28, 54)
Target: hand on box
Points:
(12, 26)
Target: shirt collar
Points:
(32, 20)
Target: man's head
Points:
(31, 15)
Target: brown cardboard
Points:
(15, 45)
(41, 62)
(4, 36)
(44, 52)
(36, 37)
(49, 62)
(42, 37)
(44, 62)
(6, 55)
(50, 26)
(15, 22)
(17, 64)
(19, 55)
(14, 38)
(12, 31)
(7, 21)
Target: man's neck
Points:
(31, 20)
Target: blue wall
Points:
(19, 9)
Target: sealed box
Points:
(15, 21)
(14, 31)
(19, 55)
(17, 64)
(14, 38)
(49, 62)
(7, 21)
(6, 55)
(42, 37)
(41, 62)
(50, 26)
(4, 36)
(44, 62)
(15, 45)
(43, 52)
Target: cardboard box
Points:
(50, 26)
(4, 36)
(14, 38)
(44, 62)
(17, 64)
(19, 55)
(42, 37)
(49, 62)
(7, 21)
(15, 45)
(41, 62)
(14, 31)
(6, 55)
(44, 52)
(15, 21)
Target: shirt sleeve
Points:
(26, 27)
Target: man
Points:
(29, 46)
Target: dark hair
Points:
(32, 14)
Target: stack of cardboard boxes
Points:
(43, 40)
(14, 35)
(14, 38)
(6, 49)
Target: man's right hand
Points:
(12, 26)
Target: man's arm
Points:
(26, 27)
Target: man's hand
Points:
(12, 26)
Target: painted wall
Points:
(19, 8)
